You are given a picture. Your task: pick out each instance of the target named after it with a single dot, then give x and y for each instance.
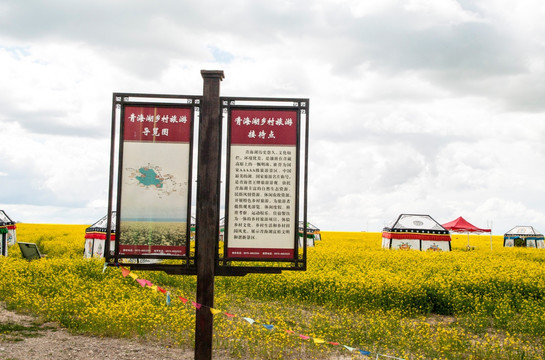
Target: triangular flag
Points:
(268, 327)
(229, 315)
(148, 283)
(214, 311)
(133, 275)
(161, 290)
(141, 282)
(333, 343)
(251, 321)
(349, 348)
(125, 272)
(104, 268)
(318, 341)
(197, 305)
(363, 352)
(304, 337)
(184, 300)
(168, 298)
(153, 287)
(290, 331)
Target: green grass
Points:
(13, 332)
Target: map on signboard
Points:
(152, 178)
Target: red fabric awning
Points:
(461, 225)
(98, 235)
(415, 236)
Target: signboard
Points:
(262, 184)
(154, 180)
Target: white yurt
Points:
(7, 233)
(95, 237)
(416, 232)
(524, 236)
(313, 234)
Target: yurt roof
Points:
(417, 223)
(100, 226)
(309, 226)
(523, 231)
(5, 219)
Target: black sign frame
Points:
(274, 264)
(181, 264)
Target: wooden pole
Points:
(208, 201)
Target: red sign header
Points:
(157, 124)
(263, 127)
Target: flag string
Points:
(148, 284)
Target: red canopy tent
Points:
(461, 225)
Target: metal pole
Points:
(208, 201)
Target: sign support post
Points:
(264, 154)
(208, 204)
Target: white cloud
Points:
(415, 106)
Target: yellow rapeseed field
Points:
(476, 302)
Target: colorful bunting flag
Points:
(104, 268)
(214, 311)
(251, 321)
(197, 305)
(125, 272)
(141, 282)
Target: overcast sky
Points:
(416, 106)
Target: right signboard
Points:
(263, 183)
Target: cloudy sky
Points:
(416, 106)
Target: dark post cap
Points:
(212, 74)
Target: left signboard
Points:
(154, 162)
